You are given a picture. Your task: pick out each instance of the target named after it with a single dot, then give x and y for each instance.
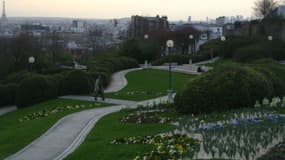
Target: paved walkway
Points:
(8, 109)
(68, 133)
(119, 80)
(188, 68)
(107, 100)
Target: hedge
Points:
(225, 88)
(8, 94)
(31, 88)
(183, 59)
(35, 89)
(262, 50)
(77, 82)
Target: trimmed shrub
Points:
(225, 88)
(33, 90)
(18, 77)
(251, 52)
(274, 71)
(7, 94)
(180, 59)
(77, 82)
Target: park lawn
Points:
(15, 135)
(97, 144)
(148, 84)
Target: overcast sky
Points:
(174, 9)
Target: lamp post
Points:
(146, 36)
(31, 61)
(170, 45)
(223, 39)
(191, 37)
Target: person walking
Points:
(99, 88)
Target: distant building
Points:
(142, 25)
(281, 11)
(221, 20)
(211, 31)
(79, 26)
(189, 19)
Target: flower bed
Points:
(45, 112)
(243, 134)
(167, 146)
(146, 117)
(277, 152)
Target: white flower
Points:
(265, 102)
(257, 104)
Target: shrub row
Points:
(33, 88)
(183, 59)
(275, 50)
(231, 87)
(7, 94)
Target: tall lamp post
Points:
(191, 37)
(223, 39)
(31, 60)
(170, 45)
(146, 36)
(270, 38)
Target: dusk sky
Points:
(174, 9)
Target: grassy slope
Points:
(97, 144)
(15, 135)
(153, 82)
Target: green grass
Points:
(97, 144)
(148, 84)
(15, 135)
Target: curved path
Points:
(8, 109)
(69, 132)
(119, 80)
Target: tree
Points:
(265, 8)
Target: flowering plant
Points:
(167, 146)
(46, 112)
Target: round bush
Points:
(77, 82)
(7, 94)
(33, 90)
(251, 52)
(225, 88)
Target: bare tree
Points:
(264, 8)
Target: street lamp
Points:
(31, 60)
(170, 45)
(146, 36)
(223, 38)
(270, 38)
(191, 37)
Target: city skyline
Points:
(175, 10)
